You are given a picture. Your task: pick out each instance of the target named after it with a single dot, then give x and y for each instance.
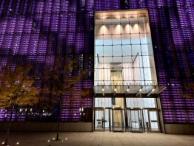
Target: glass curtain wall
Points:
(123, 49)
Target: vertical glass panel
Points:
(126, 28)
(108, 51)
(99, 51)
(116, 77)
(126, 39)
(146, 120)
(147, 28)
(126, 49)
(144, 49)
(108, 117)
(142, 29)
(135, 28)
(117, 51)
(116, 29)
(118, 120)
(146, 61)
(118, 103)
(99, 120)
(136, 49)
(99, 40)
(143, 39)
(106, 29)
(116, 39)
(153, 121)
(98, 30)
(147, 75)
(150, 49)
(135, 39)
(108, 40)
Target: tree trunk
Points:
(58, 118)
(58, 123)
(9, 125)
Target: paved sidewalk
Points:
(98, 139)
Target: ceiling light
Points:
(140, 89)
(128, 89)
(115, 89)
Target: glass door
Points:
(153, 120)
(135, 120)
(108, 119)
(118, 120)
(99, 124)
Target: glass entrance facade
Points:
(124, 66)
(134, 115)
(123, 49)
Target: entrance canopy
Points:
(128, 90)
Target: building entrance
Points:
(118, 120)
(125, 81)
(136, 119)
(109, 116)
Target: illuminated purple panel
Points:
(40, 30)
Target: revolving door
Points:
(135, 120)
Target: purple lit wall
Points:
(41, 30)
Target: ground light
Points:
(55, 140)
(17, 143)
